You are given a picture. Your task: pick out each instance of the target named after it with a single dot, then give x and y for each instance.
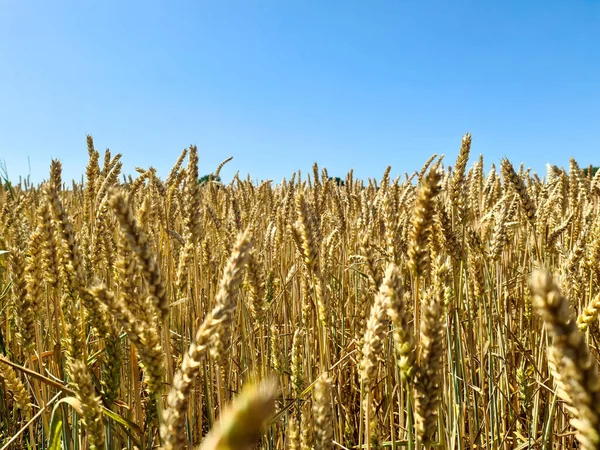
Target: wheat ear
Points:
(575, 369)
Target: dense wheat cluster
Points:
(452, 308)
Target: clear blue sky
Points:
(281, 84)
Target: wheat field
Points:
(452, 308)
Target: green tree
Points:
(587, 170)
(337, 180)
(209, 177)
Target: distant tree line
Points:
(340, 182)
(209, 177)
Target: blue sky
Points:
(281, 84)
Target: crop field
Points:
(454, 308)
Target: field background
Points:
(331, 312)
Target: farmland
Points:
(453, 308)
